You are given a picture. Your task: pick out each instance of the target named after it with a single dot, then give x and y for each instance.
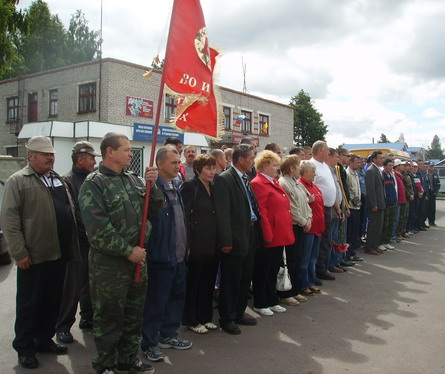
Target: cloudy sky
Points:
(371, 66)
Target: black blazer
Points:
(375, 188)
(232, 213)
(199, 209)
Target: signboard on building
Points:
(137, 107)
(144, 133)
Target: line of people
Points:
(218, 224)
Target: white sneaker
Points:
(389, 246)
(381, 248)
(263, 311)
(277, 308)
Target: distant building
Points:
(82, 101)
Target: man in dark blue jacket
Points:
(433, 189)
(167, 250)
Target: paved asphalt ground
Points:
(385, 315)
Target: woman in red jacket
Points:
(276, 224)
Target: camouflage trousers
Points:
(388, 220)
(403, 219)
(118, 304)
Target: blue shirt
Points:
(253, 216)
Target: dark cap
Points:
(84, 147)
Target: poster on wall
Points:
(137, 107)
(144, 133)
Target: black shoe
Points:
(356, 258)
(64, 337)
(318, 282)
(347, 263)
(58, 349)
(246, 321)
(230, 328)
(85, 324)
(422, 229)
(345, 269)
(28, 362)
(433, 224)
(326, 276)
(138, 367)
(106, 371)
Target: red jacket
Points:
(274, 205)
(401, 196)
(317, 207)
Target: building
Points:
(84, 101)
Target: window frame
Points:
(12, 109)
(87, 101)
(227, 117)
(53, 110)
(261, 117)
(247, 120)
(170, 104)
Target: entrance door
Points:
(32, 107)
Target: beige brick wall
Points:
(119, 80)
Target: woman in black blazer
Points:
(202, 262)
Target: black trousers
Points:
(236, 276)
(353, 232)
(375, 227)
(201, 276)
(432, 208)
(75, 289)
(294, 253)
(324, 255)
(39, 292)
(267, 264)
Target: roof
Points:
(400, 146)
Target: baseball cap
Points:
(40, 144)
(84, 147)
(397, 162)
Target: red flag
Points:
(188, 69)
(202, 117)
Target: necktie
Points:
(252, 197)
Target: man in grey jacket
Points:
(37, 218)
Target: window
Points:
(227, 117)
(12, 108)
(32, 107)
(87, 98)
(264, 123)
(246, 125)
(53, 103)
(12, 151)
(170, 106)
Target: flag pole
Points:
(137, 277)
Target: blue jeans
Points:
(306, 269)
(336, 257)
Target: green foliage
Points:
(37, 40)
(383, 139)
(157, 65)
(82, 44)
(308, 123)
(13, 24)
(435, 151)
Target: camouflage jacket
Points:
(409, 191)
(111, 205)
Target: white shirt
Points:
(325, 182)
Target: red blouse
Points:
(317, 207)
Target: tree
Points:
(383, 139)
(13, 24)
(44, 47)
(435, 151)
(82, 44)
(308, 124)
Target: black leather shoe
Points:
(58, 349)
(318, 282)
(85, 324)
(230, 328)
(347, 263)
(326, 276)
(64, 337)
(28, 362)
(246, 321)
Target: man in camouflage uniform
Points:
(404, 210)
(111, 202)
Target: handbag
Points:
(283, 278)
